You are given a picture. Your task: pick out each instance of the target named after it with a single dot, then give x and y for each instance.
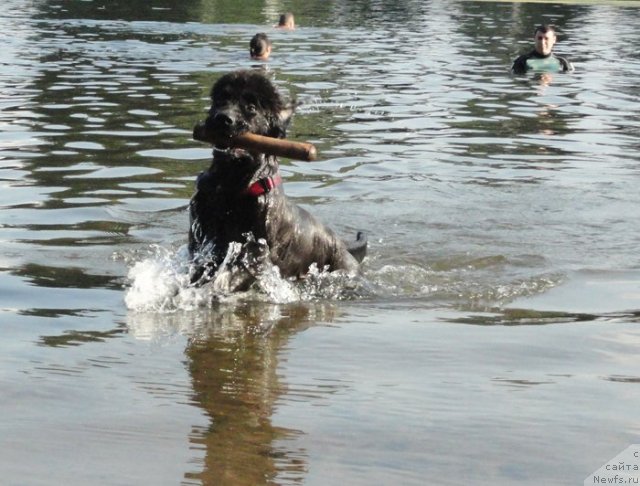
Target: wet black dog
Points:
(240, 201)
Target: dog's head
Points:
(245, 101)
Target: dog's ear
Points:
(285, 115)
(281, 119)
(287, 111)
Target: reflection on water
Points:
(232, 358)
(234, 378)
(502, 268)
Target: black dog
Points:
(239, 200)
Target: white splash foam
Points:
(160, 282)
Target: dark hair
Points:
(285, 19)
(544, 28)
(259, 45)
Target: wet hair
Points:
(286, 20)
(544, 28)
(259, 45)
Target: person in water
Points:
(260, 47)
(541, 58)
(287, 21)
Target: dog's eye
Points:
(252, 109)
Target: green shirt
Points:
(534, 61)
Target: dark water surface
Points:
(493, 337)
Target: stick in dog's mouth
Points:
(260, 143)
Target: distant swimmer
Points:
(287, 21)
(541, 58)
(260, 47)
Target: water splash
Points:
(161, 282)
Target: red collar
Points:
(263, 186)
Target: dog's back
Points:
(298, 240)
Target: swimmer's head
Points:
(545, 38)
(260, 47)
(286, 21)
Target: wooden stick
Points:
(260, 143)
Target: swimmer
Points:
(260, 47)
(541, 57)
(286, 21)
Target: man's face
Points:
(544, 42)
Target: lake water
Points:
(494, 334)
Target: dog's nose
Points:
(222, 120)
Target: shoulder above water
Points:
(533, 61)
